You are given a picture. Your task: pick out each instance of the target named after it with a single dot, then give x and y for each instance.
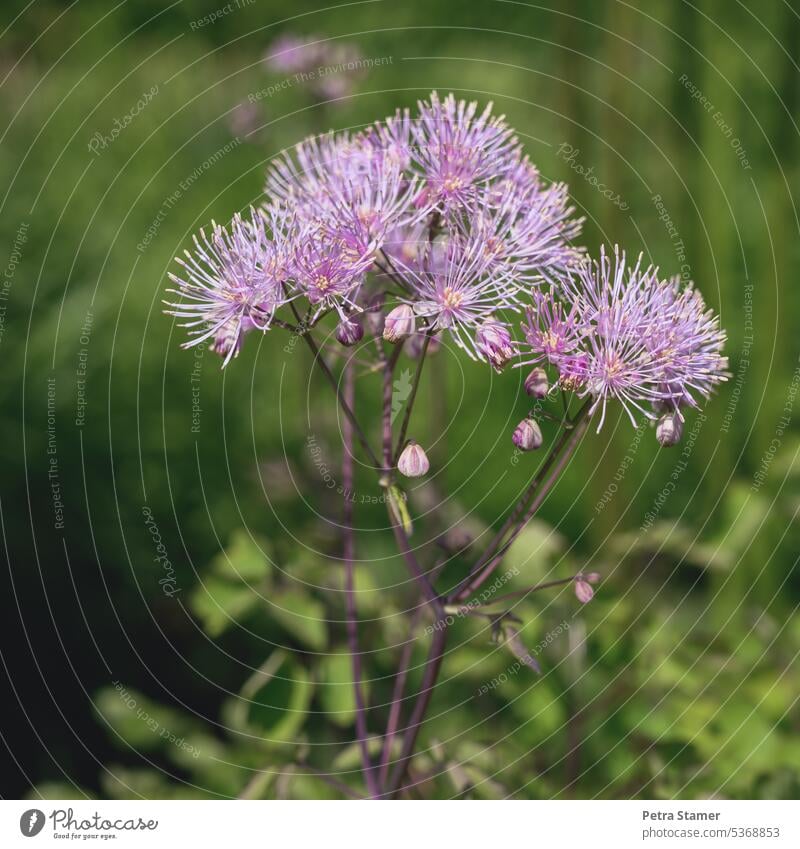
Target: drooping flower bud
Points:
(413, 461)
(399, 324)
(527, 435)
(536, 384)
(349, 332)
(583, 590)
(493, 341)
(669, 430)
(228, 339)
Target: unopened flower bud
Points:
(527, 435)
(669, 430)
(413, 461)
(349, 332)
(592, 577)
(536, 384)
(583, 590)
(399, 324)
(494, 343)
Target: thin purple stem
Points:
(432, 666)
(410, 405)
(350, 598)
(397, 697)
(539, 490)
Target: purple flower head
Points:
(340, 177)
(551, 335)
(291, 54)
(457, 289)
(457, 149)
(528, 226)
(629, 336)
(330, 262)
(233, 282)
(393, 137)
(689, 341)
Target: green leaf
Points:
(337, 693)
(273, 703)
(217, 604)
(303, 616)
(244, 559)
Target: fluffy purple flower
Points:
(552, 334)
(233, 282)
(629, 336)
(528, 226)
(330, 262)
(457, 288)
(339, 177)
(459, 149)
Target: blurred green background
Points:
(679, 679)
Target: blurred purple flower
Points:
(233, 282)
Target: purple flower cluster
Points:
(616, 331)
(444, 212)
